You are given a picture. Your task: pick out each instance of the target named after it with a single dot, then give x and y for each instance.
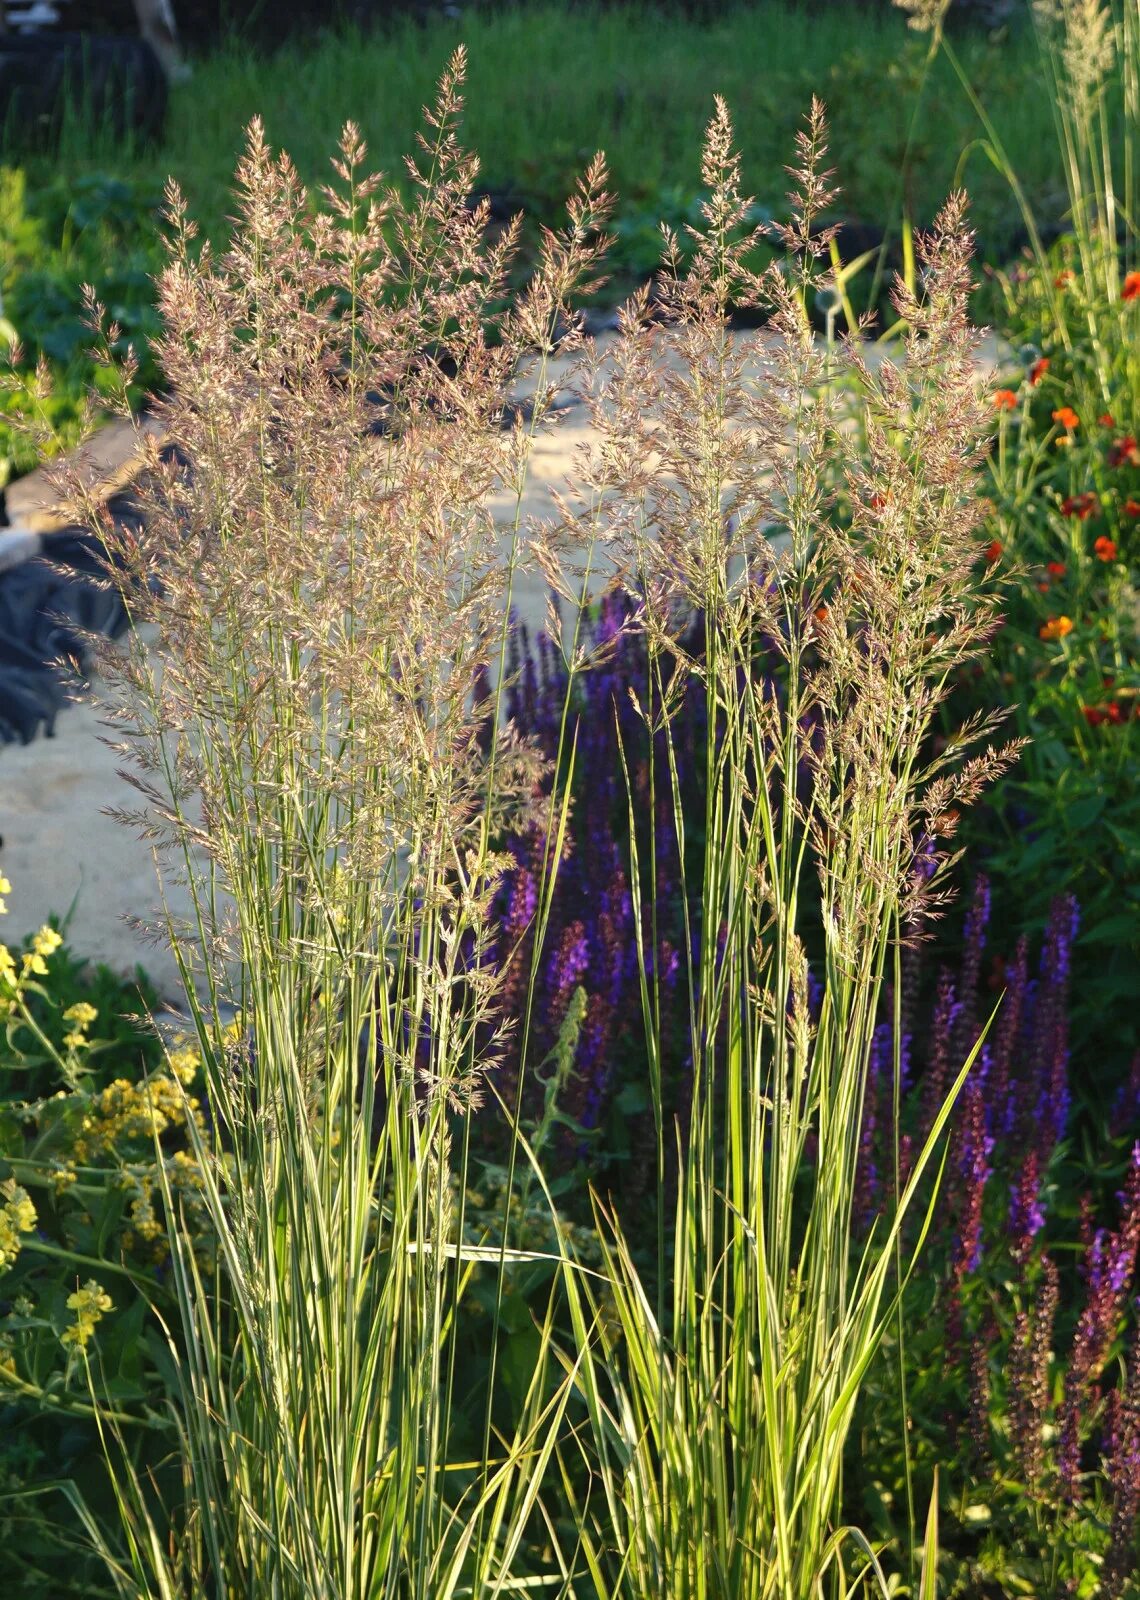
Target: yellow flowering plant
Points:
(95, 1128)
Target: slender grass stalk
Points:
(718, 1427)
(318, 761)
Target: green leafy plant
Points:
(1062, 523)
(1066, 662)
(85, 1094)
(96, 229)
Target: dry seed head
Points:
(811, 193)
(1082, 33)
(330, 576)
(926, 16)
(697, 460)
(901, 597)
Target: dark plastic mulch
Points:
(48, 608)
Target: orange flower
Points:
(1132, 508)
(1063, 279)
(1107, 421)
(1039, 368)
(822, 613)
(1067, 417)
(1056, 569)
(1083, 506)
(993, 551)
(1042, 586)
(1004, 400)
(1131, 289)
(1124, 450)
(1105, 549)
(1056, 628)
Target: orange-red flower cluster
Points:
(1083, 506)
(1067, 417)
(1039, 368)
(993, 551)
(1063, 279)
(1132, 508)
(1105, 549)
(1124, 452)
(1056, 569)
(1004, 399)
(1113, 712)
(1056, 628)
(1131, 289)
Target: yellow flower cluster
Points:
(90, 1305)
(101, 1137)
(125, 1115)
(44, 944)
(184, 1063)
(62, 1176)
(81, 1016)
(126, 1112)
(33, 963)
(9, 977)
(144, 1223)
(17, 1216)
(185, 1179)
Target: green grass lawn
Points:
(549, 85)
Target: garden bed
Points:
(556, 1195)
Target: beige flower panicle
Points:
(1082, 35)
(925, 16)
(694, 471)
(332, 575)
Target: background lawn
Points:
(549, 85)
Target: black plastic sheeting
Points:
(49, 606)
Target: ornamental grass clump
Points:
(327, 586)
(720, 1397)
(319, 755)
